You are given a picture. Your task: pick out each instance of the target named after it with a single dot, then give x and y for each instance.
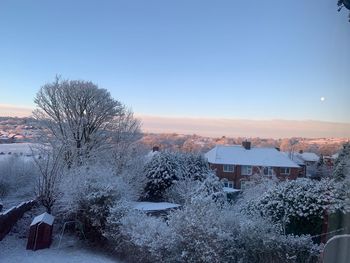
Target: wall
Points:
(236, 176)
(10, 217)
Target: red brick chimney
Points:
(155, 149)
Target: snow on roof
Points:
(154, 206)
(295, 158)
(309, 157)
(238, 155)
(335, 156)
(45, 217)
(230, 190)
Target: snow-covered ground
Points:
(18, 148)
(13, 250)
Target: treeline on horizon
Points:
(197, 143)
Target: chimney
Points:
(301, 151)
(247, 145)
(278, 149)
(155, 149)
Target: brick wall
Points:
(237, 177)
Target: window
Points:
(228, 184)
(228, 168)
(245, 184)
(285, 170)
(247, 170)
(268, 171)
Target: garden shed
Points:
(40, 232)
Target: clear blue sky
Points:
(236, 58)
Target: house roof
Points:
(301, 158)
(238, 155)
(309, 157)
(45, 217)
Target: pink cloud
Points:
(246, 128)
(7, 110)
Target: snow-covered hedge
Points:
(299, 204)
(208, 231)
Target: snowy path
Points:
(13, 250)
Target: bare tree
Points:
(81, 116)
(125, 134)
(50, 166)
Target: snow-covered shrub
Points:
(299, 205)
(197, 227)
(150, 236)
(208, 231)
(186, 188)
(90, 194)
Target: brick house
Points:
(236, 164)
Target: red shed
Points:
(40, 232)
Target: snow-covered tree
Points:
(195, 166)
(342, 164)
(50, 167)
(81, 117)
(161, 172)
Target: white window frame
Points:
(228, 184)
(270, 171)
(245, 184)
(246, 170)
(285, 168)
(228, 170)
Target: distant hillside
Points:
(27, 130)
(195, 143)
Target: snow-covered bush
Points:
(90, 194)
(150, 236)
(187, 188)
(299, 205)
(208, 231)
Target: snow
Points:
(154, 206)
(309, 157)
(44, 217)
(13, 250)
(302, 158)
(230, 190)
(238, 155)
(18, 148)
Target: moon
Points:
(322, 98)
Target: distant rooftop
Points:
(238, 155)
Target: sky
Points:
(255, 60)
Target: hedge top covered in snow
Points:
(238, 155)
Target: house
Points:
(306, 160)
(236, 164)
